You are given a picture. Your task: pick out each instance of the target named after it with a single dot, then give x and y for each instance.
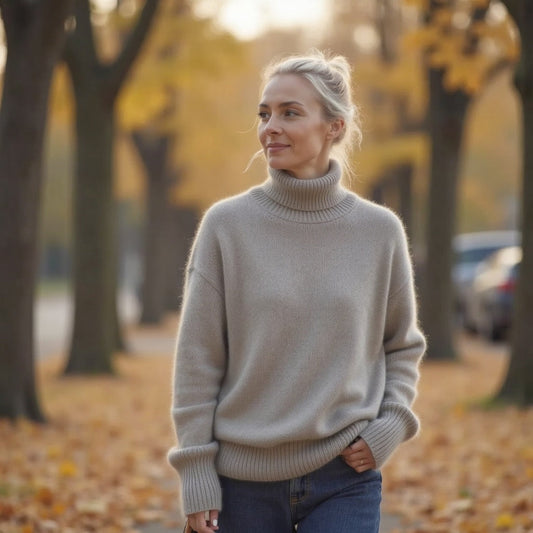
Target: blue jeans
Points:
(332, 499)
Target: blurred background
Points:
(185, 123)
(142, 114)
(122, 121)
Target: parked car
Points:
(490, 301)
(470, 249)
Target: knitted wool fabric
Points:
(298, 333)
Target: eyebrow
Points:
(284, 104)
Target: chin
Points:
(278, 165)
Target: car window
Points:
(475, 255)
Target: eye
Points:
(263, 115)
(291, 113)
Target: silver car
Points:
(470, 249)
(490, 302)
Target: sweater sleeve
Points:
(404, 345)
(199, 368)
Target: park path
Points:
(53, 324)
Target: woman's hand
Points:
(198, 521)
(359, 456)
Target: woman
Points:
(298, 345)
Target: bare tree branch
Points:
(119, 69)
(80, 49)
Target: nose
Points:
(272, 127)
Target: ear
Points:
(336, 127)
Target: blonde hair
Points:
(330, 76)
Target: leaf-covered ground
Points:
(471, 468)
(100, 464)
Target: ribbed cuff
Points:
(395, 424)
(201, 489)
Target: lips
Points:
(276, 147)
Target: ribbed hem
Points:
(394, 425)
(305, 200)
(201, 489)
(286, 461)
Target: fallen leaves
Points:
(100, 463)
(67, 469)
(469, 471)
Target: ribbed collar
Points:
(305, 200)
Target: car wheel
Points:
(486, 326)
(499, 333)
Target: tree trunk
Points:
(405, 193)
(93, 333)
(34, 35)
(518, 385)
(447, 114)
(377, 194)
(182, 228)
(96, 87)
(398, 181)
(154, 150)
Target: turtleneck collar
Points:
(305, 200)
(306, 194)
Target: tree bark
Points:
(446, 123)
(518, 384)
(405, 193)
(447, 113)
(94, 230)
(96, 87)
(154, 150)
(182, 228)
(34, 34)
(399, 180)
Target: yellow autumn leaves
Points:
(100, 462)
(447, 38)
(100, 465)
(471, 468)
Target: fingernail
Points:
(215, 522)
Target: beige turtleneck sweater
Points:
(298, 333)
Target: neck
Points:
(310, 173)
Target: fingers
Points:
(200, 524)
(213, 519)
(358, 446)
(359, 456)
(359, 463)
(357, 450)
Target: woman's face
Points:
(292, 130)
